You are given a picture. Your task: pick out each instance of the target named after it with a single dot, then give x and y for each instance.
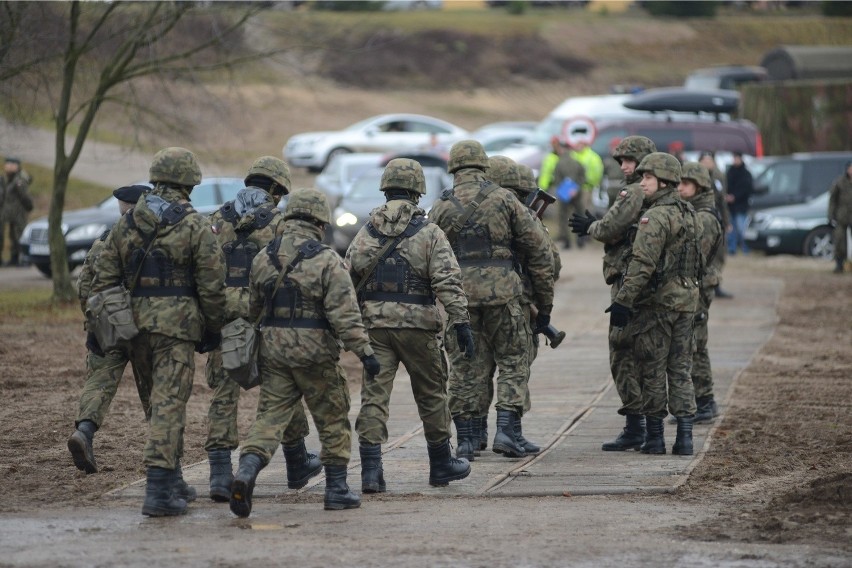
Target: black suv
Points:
(797, 178)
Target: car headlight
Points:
(88, 232)
(782, 223)
(346, 219)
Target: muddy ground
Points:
(779, 470)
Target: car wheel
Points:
(336, 152)
(819, 243)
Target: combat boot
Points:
(337, 493)
(504, 439)
(466, 443)
(655, 443)
(160, 498)
(301, 464)
(631, 437)
(243, 485)
(182, 488)
(80, 446)
(483, 432)
(529, 447)
(475, 425)
(707, 410)
(683, 441)
(221, 475)
(443, 467)
(372, 475)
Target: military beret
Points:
(11, 160)
(130, 193)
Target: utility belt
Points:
(400, 297)
(300, 323)
(483, 262)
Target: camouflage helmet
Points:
(467, 154)
(528, 182)
(696, 172)
(634, 147)
(403, 173)
(273, 168)
(175, 165)
(308, 202)
(663, 166)
(498, 170)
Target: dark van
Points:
(797, 178)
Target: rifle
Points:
(538, 201)
(554, 335)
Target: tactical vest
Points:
(471, 241)
(286, 307)
(684, 260)
(240, 252)
(393, 280)
(155, 265)
(715, 247)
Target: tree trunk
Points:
(63, 292)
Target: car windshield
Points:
(361, 124)
(546, 129)
(366, 188)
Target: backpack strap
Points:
(414, 225)
(308, 249)
(229, 213)
(486, 188)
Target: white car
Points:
(342, 171)
(383, 133)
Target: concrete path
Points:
(573, 409)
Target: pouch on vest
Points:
(109, 316)
(240, 348)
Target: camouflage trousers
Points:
(324, 389)
(662, 344)
(502, 335)
(623, 367)
(718, 262)
(488, 393)
(169, 364)
(421, 352)
(840, 240)
(702, 375)
(102, 377)
(222, 415)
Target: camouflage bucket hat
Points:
(308, 203)
(498, 169)
(273, 168)
(664, 166)
(635, 148)
(402, 173)
(697, 173)
(467, 154)
(175, 165)
(528, 182)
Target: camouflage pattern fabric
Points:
(175, 166)
(702, 372)
(303, 362)
(840, 211)
(15, 206)
(569, 168)
(709, 234)
(614, 179)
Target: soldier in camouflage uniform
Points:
(840, 212)
(401, 263)
(307, 315)
(103, 370)
(660, 295)
(243, 227)
(696, 188)
(720, 187)
(15, 205)
(165, 253)
(486, 225)
(616, 231)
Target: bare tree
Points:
(99, 48)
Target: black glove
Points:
(619, 316)
(464, 335)
(209, 341)
(541, 321)
(371, 365)
(580, 223)
(93, 345)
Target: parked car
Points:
(365, 195)
(383, 133)
(82, 227)
(797, 178)
(802, 229)
(341, 171)
(426, 158)
(495, 140)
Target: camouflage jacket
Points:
(324, 290)
(497, 230)
(15, 199)
(614, 230)
(521, 262)
(432, 270)
(840, 200)
(720, 193)
(191, 259)
(87, 272)
(709, 233)
(253, 216)
(663, 273)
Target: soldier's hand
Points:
(371, 365)
(541, 322)
(464, 335)
(619, 316)
(93, 345)
(209, 341)
(580, 223)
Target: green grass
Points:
(34, 305)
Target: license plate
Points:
(751, 234)
(39, 250)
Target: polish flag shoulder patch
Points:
(643, 221)
(623, 193)
(215, 229)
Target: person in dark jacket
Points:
(740, 188)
